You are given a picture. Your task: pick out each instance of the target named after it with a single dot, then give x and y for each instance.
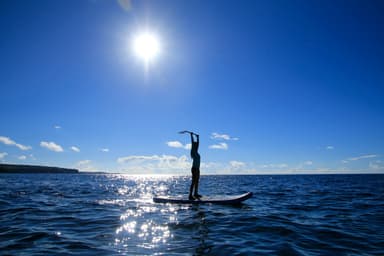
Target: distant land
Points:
(16, 168)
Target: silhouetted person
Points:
(195, 168)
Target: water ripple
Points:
(114, 215)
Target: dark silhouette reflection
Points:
(201, 235)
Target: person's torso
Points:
(196, 160)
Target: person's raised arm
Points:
(197, 140)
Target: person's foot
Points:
(191, 197)
(197, 196)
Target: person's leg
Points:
(193, 182)
(191, 191)
(197, 183)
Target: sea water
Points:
(110, 214)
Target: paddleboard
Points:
(204, 200)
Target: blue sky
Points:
(271, 86)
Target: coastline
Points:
(16, 168)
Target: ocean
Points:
(112, 214)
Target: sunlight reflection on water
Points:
(144, 223)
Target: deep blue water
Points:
(85, 214)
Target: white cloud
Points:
(169, 164)
(3, 155)
(104, 149)
(221, 145)
(85, 165)
(154, 164)
(178, 144)
(57, 127)
(76, 149)
(358, 158)
(83, 162)
(175, 144)
(22, 157)
(51, 146)
(330, 147)
(239, 167)
(361, 157)
(218, 136)
(303, 166)
(125, 159)
(376, 165)
(274, 166)
(236, 165)
(10, 142)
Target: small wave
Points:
(114, 215)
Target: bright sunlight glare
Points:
(146, 46)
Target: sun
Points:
(146, 46)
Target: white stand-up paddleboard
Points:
(204, 200)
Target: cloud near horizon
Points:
(51, 146)
(3, 154)
(376, 165)
(10, 142)
(180, 165)
(154, 164)
(237, 164)
(275, 166)
(85, 165)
